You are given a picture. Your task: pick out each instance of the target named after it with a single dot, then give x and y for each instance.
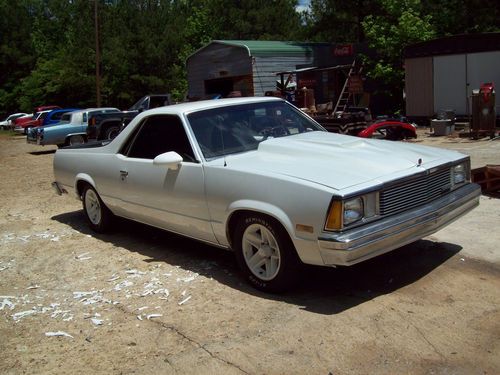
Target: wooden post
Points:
(97, 57)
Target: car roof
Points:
(210, 104)
(93, 110)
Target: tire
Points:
(265, 253)
(99, 217)
(111, 132)
(75, 140)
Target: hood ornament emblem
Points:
(419, 162)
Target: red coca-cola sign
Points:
(343, 50)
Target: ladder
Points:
(345, 95)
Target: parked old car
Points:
(52, 118)
(69, 131)
(23, 124)
(8, 123)
(258, 176)
(55, 115)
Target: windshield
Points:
(240, 128)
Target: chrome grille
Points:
(412, 193)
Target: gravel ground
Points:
(143, 301)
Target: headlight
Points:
(350, 211)
(459, 174)
(353, 210)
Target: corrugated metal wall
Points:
(218, 61)
(419, 87)
(213, 62)
(265, 69)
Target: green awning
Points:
(268, 48)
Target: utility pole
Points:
(97, 57)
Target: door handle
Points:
(123, 174)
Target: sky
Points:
(302, 5)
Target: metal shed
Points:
(440, 74)
(248, 66)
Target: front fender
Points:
(261, 207)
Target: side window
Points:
(159, 134)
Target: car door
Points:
(173, 199)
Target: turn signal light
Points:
(334, 219)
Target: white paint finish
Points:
(450, 83)
(292, 179)
(166, 198)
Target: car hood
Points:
(339, 161)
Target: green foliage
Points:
(399, 24)
(337, 20)
(48, 49)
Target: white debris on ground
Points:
(6, 265)
(130, 288)
(58, 333)
(83, 256)
(25, 238)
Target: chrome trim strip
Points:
(368, 241)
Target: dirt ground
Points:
(143, 301)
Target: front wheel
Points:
(98, 215)
(265, 253)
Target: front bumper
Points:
(33, 141)
(362, 243)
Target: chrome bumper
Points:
(382, 236)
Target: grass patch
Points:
(7, 133)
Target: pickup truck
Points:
(106, 126)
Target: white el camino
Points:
(258, 176)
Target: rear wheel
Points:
(265, 253)
(98, 215)
(111, 132)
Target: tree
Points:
(401, 23)
(16, 57)
(254, 19)
(338, 21)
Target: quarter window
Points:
(160, 134)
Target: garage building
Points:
(440, 74)
(248, 66)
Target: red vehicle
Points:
(23, 124)
(46, 108)
(392, 130)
